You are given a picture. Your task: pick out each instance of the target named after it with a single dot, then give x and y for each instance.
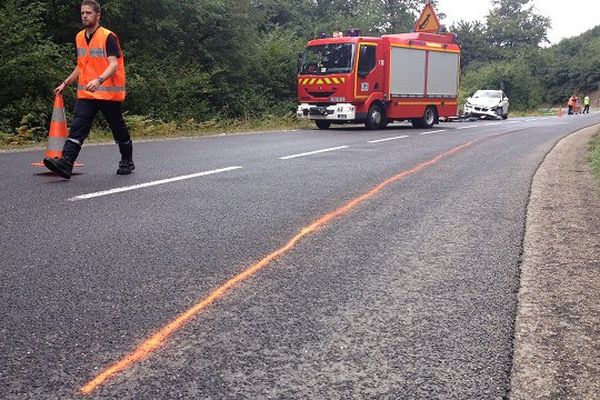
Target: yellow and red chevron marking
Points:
(321, 81)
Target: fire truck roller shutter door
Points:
(442, 76)
(407, 72)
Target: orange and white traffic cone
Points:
(560, 112)
(58, 133)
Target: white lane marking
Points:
(494, 124)
(430, 132)
(148, 184)
(468, 127)
(388, 139)
(513, 122)
(310, 153)
(531, 120)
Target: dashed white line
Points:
(310, 153)
(388, 139)
(430, 132)
(468, 127)
(149, 184)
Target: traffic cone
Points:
(560, 112)
(59, 132)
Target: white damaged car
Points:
(487, 103)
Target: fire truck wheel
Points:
(322, 124)
(376, 117)
(428, 119)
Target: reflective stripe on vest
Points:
(107, 89)
(97, 53)
(92, 61)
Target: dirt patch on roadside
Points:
(557, 332)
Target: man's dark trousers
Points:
(85, 111)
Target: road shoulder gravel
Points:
(557, 331)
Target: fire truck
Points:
(375, 80)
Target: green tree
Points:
(476, 49)
(572, 66)
(513, 77)
(30, 68)
(513, 24)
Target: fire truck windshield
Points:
(327, 59)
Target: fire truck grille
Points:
(320, 94)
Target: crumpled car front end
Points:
(482, 110)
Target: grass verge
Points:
(142, 127)
(595, 154)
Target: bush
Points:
(514, 78)
(32, 65)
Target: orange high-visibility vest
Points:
(92, 61)
(571, 101)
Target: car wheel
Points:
(376, 117)
(428, 119)
(322, 124)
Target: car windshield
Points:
(490, 94)
(326, 59)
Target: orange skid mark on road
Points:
(159, 338)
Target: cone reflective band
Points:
(58, 129)
(58, 132)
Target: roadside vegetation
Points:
(205, 67)
(595, 154)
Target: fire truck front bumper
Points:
(334, 112)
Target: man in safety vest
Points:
(586, 105)
(100, 76)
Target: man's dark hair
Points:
(93, 3)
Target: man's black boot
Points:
(125, 167)
(63, 167)
(126, 164)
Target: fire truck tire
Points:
(322, 124)
(428, 119)
(376, 118)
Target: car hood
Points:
(484, 101)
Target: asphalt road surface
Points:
(410, 292)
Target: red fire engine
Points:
(354, 79)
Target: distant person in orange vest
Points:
(571, 104)
(100, 77)
(577, 109)
(586, 105)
